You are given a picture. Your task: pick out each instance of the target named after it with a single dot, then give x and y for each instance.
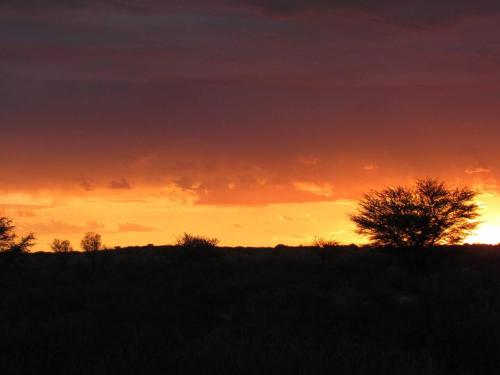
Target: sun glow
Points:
(486, 234)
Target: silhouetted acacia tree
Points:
(421, 216)
(61, 246)
(91, 242)
(8, 238)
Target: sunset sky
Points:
(255, 121)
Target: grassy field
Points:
(251, 311)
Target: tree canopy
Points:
(421, 216)
(61, 246)
(8, 238)
(91, 242)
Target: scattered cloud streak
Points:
(308, 160)
(120, 184)
(86, 184)
(369, 167)
(324, 189)
(62, 228)
(478, 170)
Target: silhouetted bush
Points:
(324, 243)
(323, 248)
(417, 217)
(191, 241)
(195, 248)
(280, 249)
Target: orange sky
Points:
(258, 122)
(155, 216)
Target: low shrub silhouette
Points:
(195, 248)
(323, 248)
(324, 243)
(279, 249)
(191, 241)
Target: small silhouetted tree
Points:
(7, 234)
(8, 238)
(61, 246)
(91, 242)
(421, 216)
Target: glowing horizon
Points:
(133, 219)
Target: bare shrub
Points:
(324, 248)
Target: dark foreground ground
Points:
(157, 311)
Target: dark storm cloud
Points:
(129, 6)
(444, 6)
(74, 5)
(288, 7)
(403, 12)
